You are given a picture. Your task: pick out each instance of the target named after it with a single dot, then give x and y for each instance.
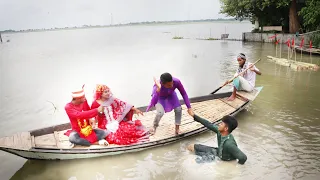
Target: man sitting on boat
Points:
(247, 80)
(79, 114)
(227, 147)
(117, 118)
(165, 99)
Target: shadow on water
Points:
(29, 169)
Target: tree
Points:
(311, 15)
(293, 17)
(267, 10)
(239, 9)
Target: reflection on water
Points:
(279, 131)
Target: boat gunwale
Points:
(133, 147)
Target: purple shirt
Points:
(168, 98)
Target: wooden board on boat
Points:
(17, 141)
(51, 143)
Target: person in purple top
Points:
(165, 99)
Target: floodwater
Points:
(279, 131)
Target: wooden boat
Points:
(51, 144)
(304, 50)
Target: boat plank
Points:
(17, 141)
(236, 103)
(25, 139)
(57, 139)
(33, 144)
(7, 141)
(2, 142)
(47, 140)
(249, 95)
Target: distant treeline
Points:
(132, 23)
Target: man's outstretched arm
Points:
(206, 123)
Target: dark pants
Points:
(206, 153)
(75, 138)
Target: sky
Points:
(38, 14)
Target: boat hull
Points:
(41, 153)
(52, 154)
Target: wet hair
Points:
(231, 122)
(165, 77)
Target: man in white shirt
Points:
(246, 81)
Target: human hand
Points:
(251, 67)
(138, 112)
(190, 112)
(93, 123)
(227, 82)
(101, 109)
(157, 84)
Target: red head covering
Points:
(100, 88)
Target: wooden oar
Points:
(233, 78)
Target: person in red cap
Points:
(79, 114)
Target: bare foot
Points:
(146, 136)
(191, 147)
(231, 98)
(103, 142)
(177, 130)
(152, 131)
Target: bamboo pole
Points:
(295, 55)
(288, 53)
(280, 46)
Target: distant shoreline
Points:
(119, 25)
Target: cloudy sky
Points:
(33, 14)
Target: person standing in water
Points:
(165, 99)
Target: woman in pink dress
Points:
(117, 118)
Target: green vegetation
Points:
(211, 38)
(177, 37)
(311, 15)
(115, 25)
(315, 39)
(293, 15)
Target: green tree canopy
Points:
(311, 15)
(267, 12)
